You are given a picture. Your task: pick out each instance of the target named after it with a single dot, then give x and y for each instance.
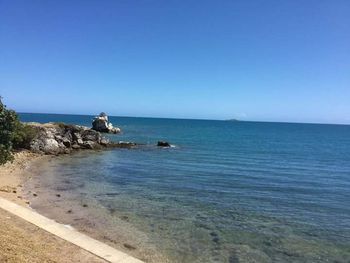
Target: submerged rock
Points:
(122, 144)
(100, 123)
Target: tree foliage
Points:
(13, 133)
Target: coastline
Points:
(17, 233)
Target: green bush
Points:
(23, 135)
(13, 134)
(5, 154)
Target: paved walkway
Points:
(69, 234)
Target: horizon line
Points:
(194, 119)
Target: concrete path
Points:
(69, 234)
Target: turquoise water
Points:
(228, 191)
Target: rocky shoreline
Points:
(48, 141)
(61, 138)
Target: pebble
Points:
(125, 218)
(216, 240)
(213, 234)
(128, 246)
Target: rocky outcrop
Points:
(58, 138)
(100, 123)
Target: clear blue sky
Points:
(251, 60)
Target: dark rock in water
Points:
(163, 144)
(100, 123)
(85, 205)
(69, 211)
(58, 195)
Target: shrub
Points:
(23, 135)
(13, 134)
(5, 154)
(8, 125)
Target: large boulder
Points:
(48, 139)
(51, 146)
(100, 123)
(91, 135)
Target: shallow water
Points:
(228, 191)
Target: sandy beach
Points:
(13, 175)
(21, 241)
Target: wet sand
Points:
(14, 180)
(67, 203)
(13, 175)
(21, 241)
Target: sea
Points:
(226, 191)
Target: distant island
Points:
(232, 120)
